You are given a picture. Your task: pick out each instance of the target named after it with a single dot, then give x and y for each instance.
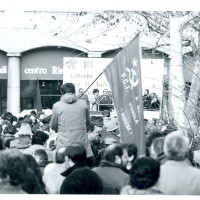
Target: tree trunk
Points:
(176, 79)
(192, 109)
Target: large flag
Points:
(124, 77)
(38, 102)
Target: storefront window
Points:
(50, 87)
(3, 96)
(26, 103)
(3, 105)
(50, 92)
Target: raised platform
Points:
(95, 113)
(147, 114)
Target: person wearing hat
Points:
(111, 124)
(23, 137)
(111, 138)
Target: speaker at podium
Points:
(102, 107)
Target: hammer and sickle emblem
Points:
(131, 75)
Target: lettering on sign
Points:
(126, 123)
(88, 64)
(3, 70)
(36, 70)
(133, 113)
(103, 84)
(57, 70)
(71, 64)
(138, 109)
(79, 75)
(125, 81)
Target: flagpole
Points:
(91, 84)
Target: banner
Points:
(124, 77)
(83, 71)
(38, 102)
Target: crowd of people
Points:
(70, 152)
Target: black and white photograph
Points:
(99, 98)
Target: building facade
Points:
(31, 51)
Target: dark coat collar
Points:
(105, 163)
(71, 169)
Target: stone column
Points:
(13, 87)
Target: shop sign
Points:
(36, 70)
(43, 73)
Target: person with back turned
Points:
(70, 119)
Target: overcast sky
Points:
(61, 5)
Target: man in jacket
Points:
(110, 169)
(52, 177)
(177, 177)
(146, 100)
(80, 179)
(70, 119)
(106, 99)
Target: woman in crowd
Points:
(23, 139)
(12, 172)
(93, 100)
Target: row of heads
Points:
(145, 173)
(70, 88)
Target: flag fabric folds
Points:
(38, 101)
(124, 77)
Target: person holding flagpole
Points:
(70, 119)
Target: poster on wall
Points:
(83, 71)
